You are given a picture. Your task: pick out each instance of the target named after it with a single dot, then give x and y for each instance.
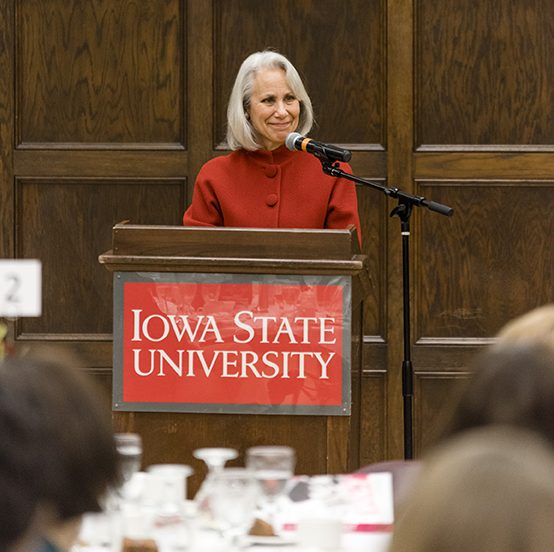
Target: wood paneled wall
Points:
(108, 108)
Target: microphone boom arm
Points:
(404, 198)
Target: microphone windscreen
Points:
(291, 139)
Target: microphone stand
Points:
(403, 211)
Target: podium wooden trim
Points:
(325, 444)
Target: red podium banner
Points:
(232, 343)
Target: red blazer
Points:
(271, 189)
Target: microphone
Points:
(326, 152)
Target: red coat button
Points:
(271, 200)
(271, 171)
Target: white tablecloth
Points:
(100, 533)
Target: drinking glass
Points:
(164, 498)
(273, 467)
(215, 459)
(129, 450)
(168, 484)
(233, 495)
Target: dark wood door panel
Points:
(372, 208)
(66, 223)
(484, 72)
(488, 263)
(100, 72)
(373, 437)
(434, 394)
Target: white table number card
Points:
(368, 500)
(362, 502)
(20, 287)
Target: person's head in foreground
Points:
(57, 453)
(510, 385)
(488, 489)
(512, 381)
(535, 325)
(267, 103)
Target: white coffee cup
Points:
(320, 533)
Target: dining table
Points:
(341, 513)
(97, 535)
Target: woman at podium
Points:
(263, 184)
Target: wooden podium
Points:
(323, 443)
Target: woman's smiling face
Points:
(274, 110)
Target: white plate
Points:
(274, 540)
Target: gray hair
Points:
(240, 133)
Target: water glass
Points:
(233, 498)
(215, 459)
(273, 467)
(166, 486)
(129, 449)
(164, 498)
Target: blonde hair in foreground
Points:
(489, 489)
(535, 325)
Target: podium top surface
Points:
(247, 250)
(145, 248)
(263, 243)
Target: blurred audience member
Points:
(512, 381)
(510, 385)
(535, 325)
(57, 457)
(487, 489)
